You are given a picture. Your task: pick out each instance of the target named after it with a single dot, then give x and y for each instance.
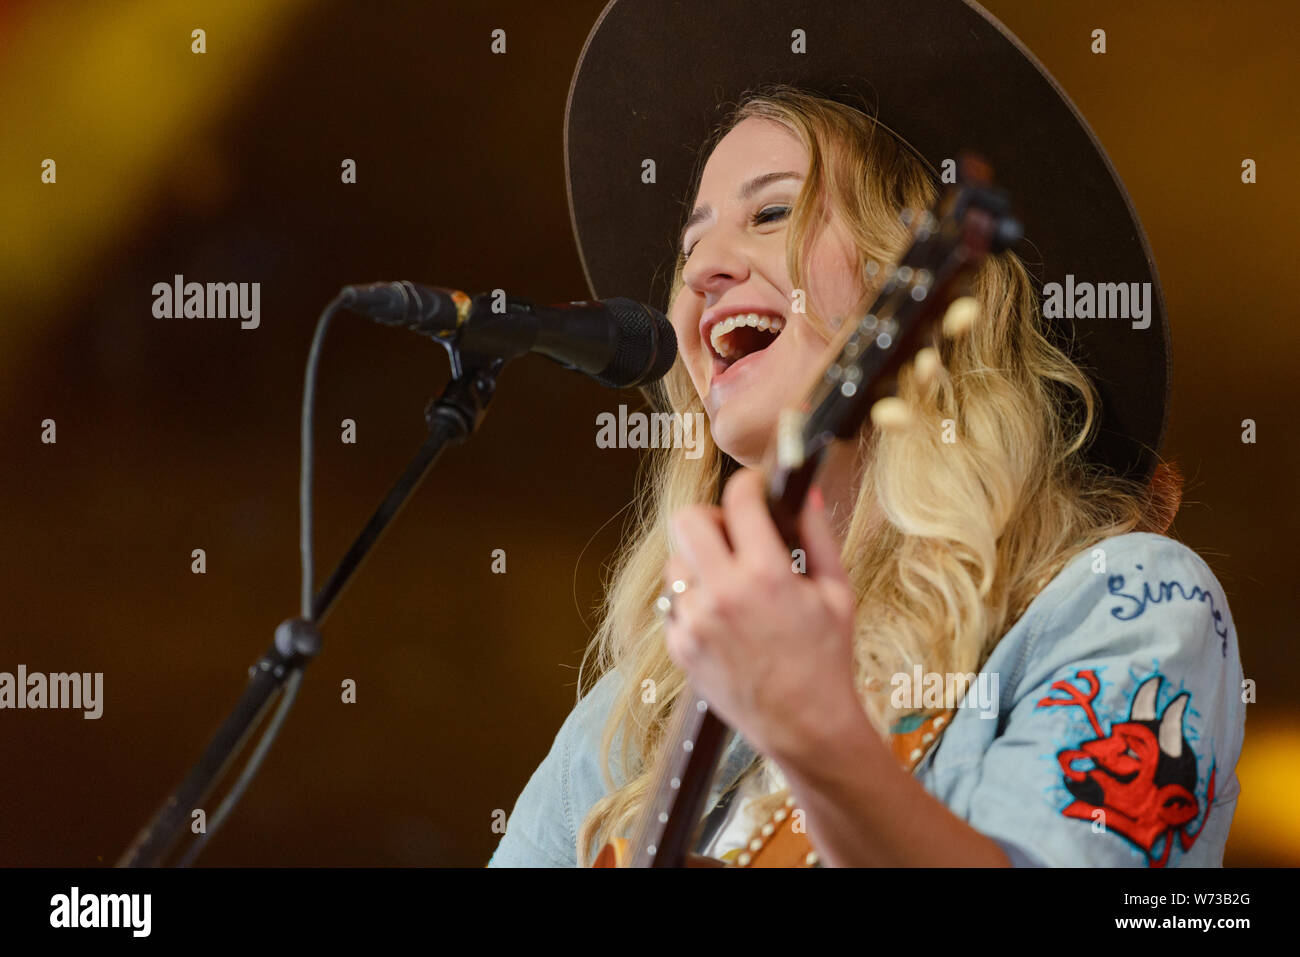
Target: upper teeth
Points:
(717, 334)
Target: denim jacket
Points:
(1104, 729)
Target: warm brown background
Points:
(184, 434)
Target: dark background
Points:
(183, 434)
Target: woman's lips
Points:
(726, 378)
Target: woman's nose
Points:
(717, 260)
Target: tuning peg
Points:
(890, 412)
(926, 365)
(961, 315)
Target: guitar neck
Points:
(693, 748)
(697, 735)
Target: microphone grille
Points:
(646, 347)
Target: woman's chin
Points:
(744, 434)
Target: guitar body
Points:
(776, 843)
(617, 853)
(613, 854)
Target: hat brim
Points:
(942, 74)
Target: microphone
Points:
(618, 342)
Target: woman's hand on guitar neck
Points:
(770, 649)
(766, 637)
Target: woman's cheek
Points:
(688, 348)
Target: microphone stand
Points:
(452, 418)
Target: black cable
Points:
(287, 697)
(305, 473)
(289, 692)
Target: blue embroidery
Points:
(908, 723)
(1165, 592)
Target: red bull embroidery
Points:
(1143, 772)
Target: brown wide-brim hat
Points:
(657, 76)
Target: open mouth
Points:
(743, 334)
(1121, 778)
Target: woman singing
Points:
(982, 541)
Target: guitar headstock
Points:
(924, 295)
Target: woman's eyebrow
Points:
(704, 211)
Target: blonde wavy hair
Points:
(948, 542)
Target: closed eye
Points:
(768, 214)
